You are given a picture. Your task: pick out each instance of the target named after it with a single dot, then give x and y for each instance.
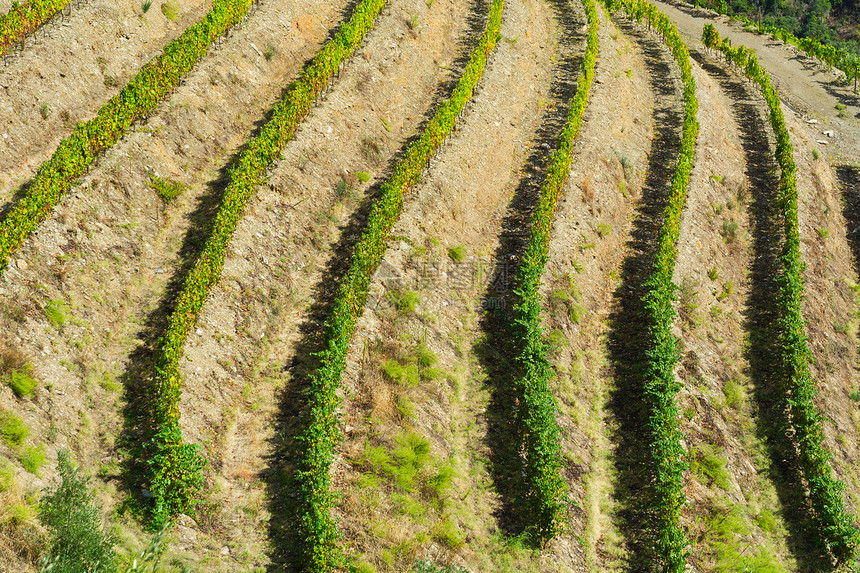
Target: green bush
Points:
(13, 429)
(457, 254)
(165, 188)
(77, 542)
(170, 10)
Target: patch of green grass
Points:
(270, 52)
(147, 4)
(708, 460)
(170, 10)
(823, 233)
(448, 533)
(457, 254)
(815, 155)
(727, 291)
(729, 231)
(603, 229)
(33, 458)
(44, 111)
(425, 357)
(13, 429)
(404, 464)
(57, 312)
(406, 301)
(734, 394)
(7, 475)
(363, 176)
(21, 381)
(165, 188)
(766, 521)
(712, 274)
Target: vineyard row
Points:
(661, 387)
(318, 531)
(26, 18)
(835, 525)
(176, 467)
(139, 97)
(537, 407)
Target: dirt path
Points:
(809, 88)
(86, 59)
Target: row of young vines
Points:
(24, 19)
(317, 530)
(139, 97)
(535, 417)
(661, 388)
(835, 525)
(176, 467)
(839, 58)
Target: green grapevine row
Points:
(835, 526)
(140, 96)
(838, 58)
(25, 18)
(661, 388)
(317, 529)
(537, 406)
(176, 466)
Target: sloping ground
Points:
(107, 256)
(805, 85)
(66, 77)
(420, 464)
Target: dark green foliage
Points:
(176, 467)
(77, 543)
(535, 416)
(24, 18)
(836, 529)
(318, 534)
(666, 452)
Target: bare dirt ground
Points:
(808, 87)
(86, 58)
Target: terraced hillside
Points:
(425, 285)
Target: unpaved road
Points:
(806, 86)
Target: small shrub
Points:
(77, 541)
(270, 52)
(21, 382)
(406, 302)
(604, 229)
(165, 188)
(33, 458)
(57, 312)
(823, 233)
(734, 394)
(815, 155)
(13, 429)
(44, 111)
(712, 274)
(170, 10)
(729, 231)
(457, 254)
(413, 22)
